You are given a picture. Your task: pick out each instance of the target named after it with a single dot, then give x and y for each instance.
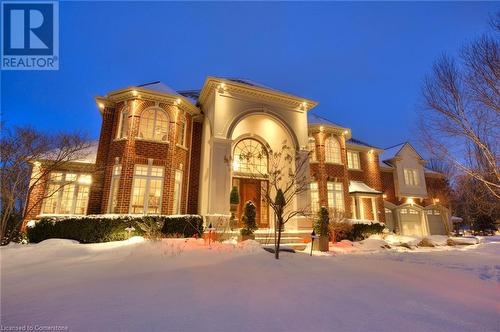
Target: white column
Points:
(359, 209)
(219, 185)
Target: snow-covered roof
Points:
(355, 141)
(86, 156)
(313, 118)
(361, 188)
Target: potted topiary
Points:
(234, 201)
(249, 224)
(321, 228)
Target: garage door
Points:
(410, 222)
(435, 221)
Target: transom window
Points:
(312, 149)
(154, 125)
(411, 177)
(314, 197)
(147, 189)
(332, 151)
(335, 196)
(67, 193)
(353, 160)
(250, 157)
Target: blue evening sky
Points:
(363, 62)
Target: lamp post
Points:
(210, 229)
(313, 237)
(129, 229)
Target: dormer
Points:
(408, 165)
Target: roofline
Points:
(212, 82)
(328, 127)
(364, 148)
(135, 92)
(402, 146)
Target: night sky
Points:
(363, 62)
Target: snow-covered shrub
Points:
(188, 225)
(364, 230)
(340, 231)
(104, 228)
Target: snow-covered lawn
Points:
(174, 285)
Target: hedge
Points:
(362, 231)
(94, 229)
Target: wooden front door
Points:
(249, 191)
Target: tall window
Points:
(332, 151)
(115, 182)
(335, 196)
(154, 125)
(67, 193)
(147, 189)
(177, 191)
(314, 197)
(250, 157)
(411, 177)
(312, 149)
(123, 124)
(353, 160)
(181, 133)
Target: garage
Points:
(435, 222)
(411, 223)
(389, 220)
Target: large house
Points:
(162, 151)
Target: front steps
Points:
(293, 239)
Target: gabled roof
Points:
(391, 151)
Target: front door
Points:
(249, 191)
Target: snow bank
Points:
(465, 240)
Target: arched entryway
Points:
(250, 168)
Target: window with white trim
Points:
(177, 191)
(147, 190)
(312, 148)
(353, 160)
(66, 193)
(181, 133)
(332, 150)
(250, 157)
(123, 124)
(154, 125)
(335, 195)
(115, 182)
(314, 197)
(411, 177)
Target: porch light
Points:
(313, 237)
(101, 105)
(384, 196)
(346, 132)
(436, 200)
(178, 101)
(410, 201)
(134, 93)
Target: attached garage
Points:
(389, 220)
(411, 222)
(435, 222)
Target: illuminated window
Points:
(332, 151)
(177, 191)
(66, 193)
(353, 160)
(154, 125)
(181, 133)
(123, 124)
(115, 182)
(147, 190)
(250, 157)
(314, 197)
(411, 177)
(411, 211)
(335, 196)
(312, 149)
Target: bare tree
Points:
(287, 176)
(21, 148)
(460, 118)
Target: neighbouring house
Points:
(162, 151)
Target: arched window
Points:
(332, 151)
(312, 149)
(154, 125)
(250, 157)
(123, 124)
